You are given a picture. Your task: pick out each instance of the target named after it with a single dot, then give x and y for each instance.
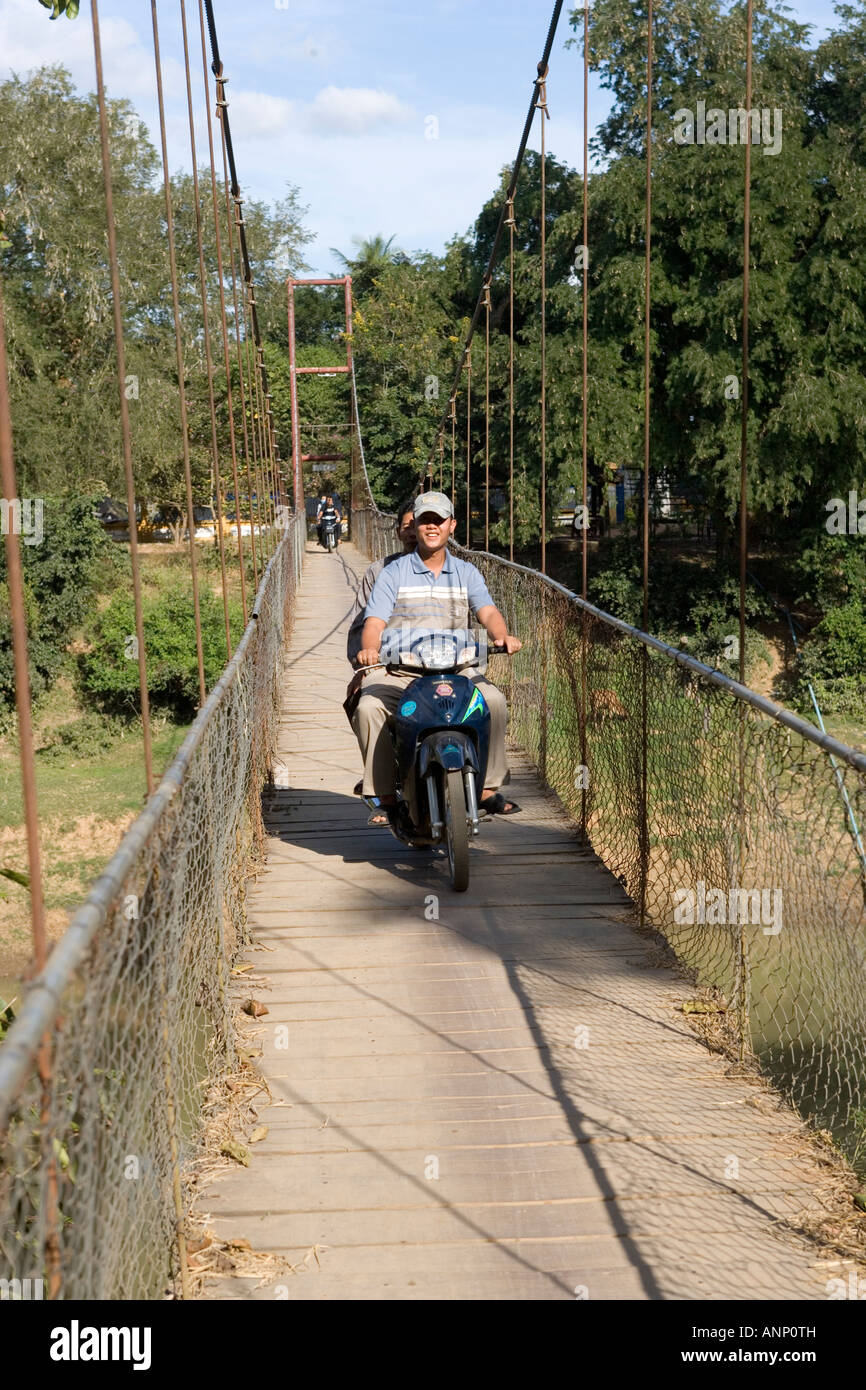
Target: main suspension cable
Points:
(269, 452)
(509, 194)
(222, 299)
(217, 69)
(215, 452)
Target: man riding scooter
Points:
(329, 517)
(428, 588)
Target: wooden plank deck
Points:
(498, 1102)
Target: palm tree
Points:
(372, 256)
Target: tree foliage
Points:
(60, 583)
(57, 294)
(806, 436)
(110, 677)
(806, 432)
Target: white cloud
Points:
(421, 191)
(334, 111)
(356, 110)
(29, 39)
(257, 115)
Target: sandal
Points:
(377, 818)
(496, 805)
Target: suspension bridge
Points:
(575, 1080)
(490, 1096)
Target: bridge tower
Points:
(299, 459)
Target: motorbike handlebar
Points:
(496, 649)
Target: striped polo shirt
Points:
(407, 592)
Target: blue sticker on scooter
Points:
(408, 708)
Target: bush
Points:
(617, 591)
(61, 576)
(832, 570)
(87, 737)
(691, 605)
(109, 672)
(834, 660)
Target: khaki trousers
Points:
(381, 695)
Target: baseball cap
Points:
(435, 502)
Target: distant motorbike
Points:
(441, 735)
(331, 532)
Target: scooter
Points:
(441, 735)
(331, 532)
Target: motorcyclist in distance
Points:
(328, 511)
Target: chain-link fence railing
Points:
(130, 1020)
(374, 532)
(734, 826)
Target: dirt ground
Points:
(77, 853)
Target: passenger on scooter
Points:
(429, 588)
(406, 536)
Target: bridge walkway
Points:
(489, 1095)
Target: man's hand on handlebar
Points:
(368, 656)
(508, 644)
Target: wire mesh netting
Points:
(374, 533)
(736, 835)
(135, 1001)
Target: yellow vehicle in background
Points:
(165, 522)
(207, 523)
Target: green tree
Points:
(62, 575)
(58, 7)
(373, 256)
(58, 300)
(407, 350)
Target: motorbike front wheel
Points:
(457, 830)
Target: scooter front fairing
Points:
(442, 719)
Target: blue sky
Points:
(335, 96)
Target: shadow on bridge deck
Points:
(487, 1095)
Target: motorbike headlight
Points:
(437, 652)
